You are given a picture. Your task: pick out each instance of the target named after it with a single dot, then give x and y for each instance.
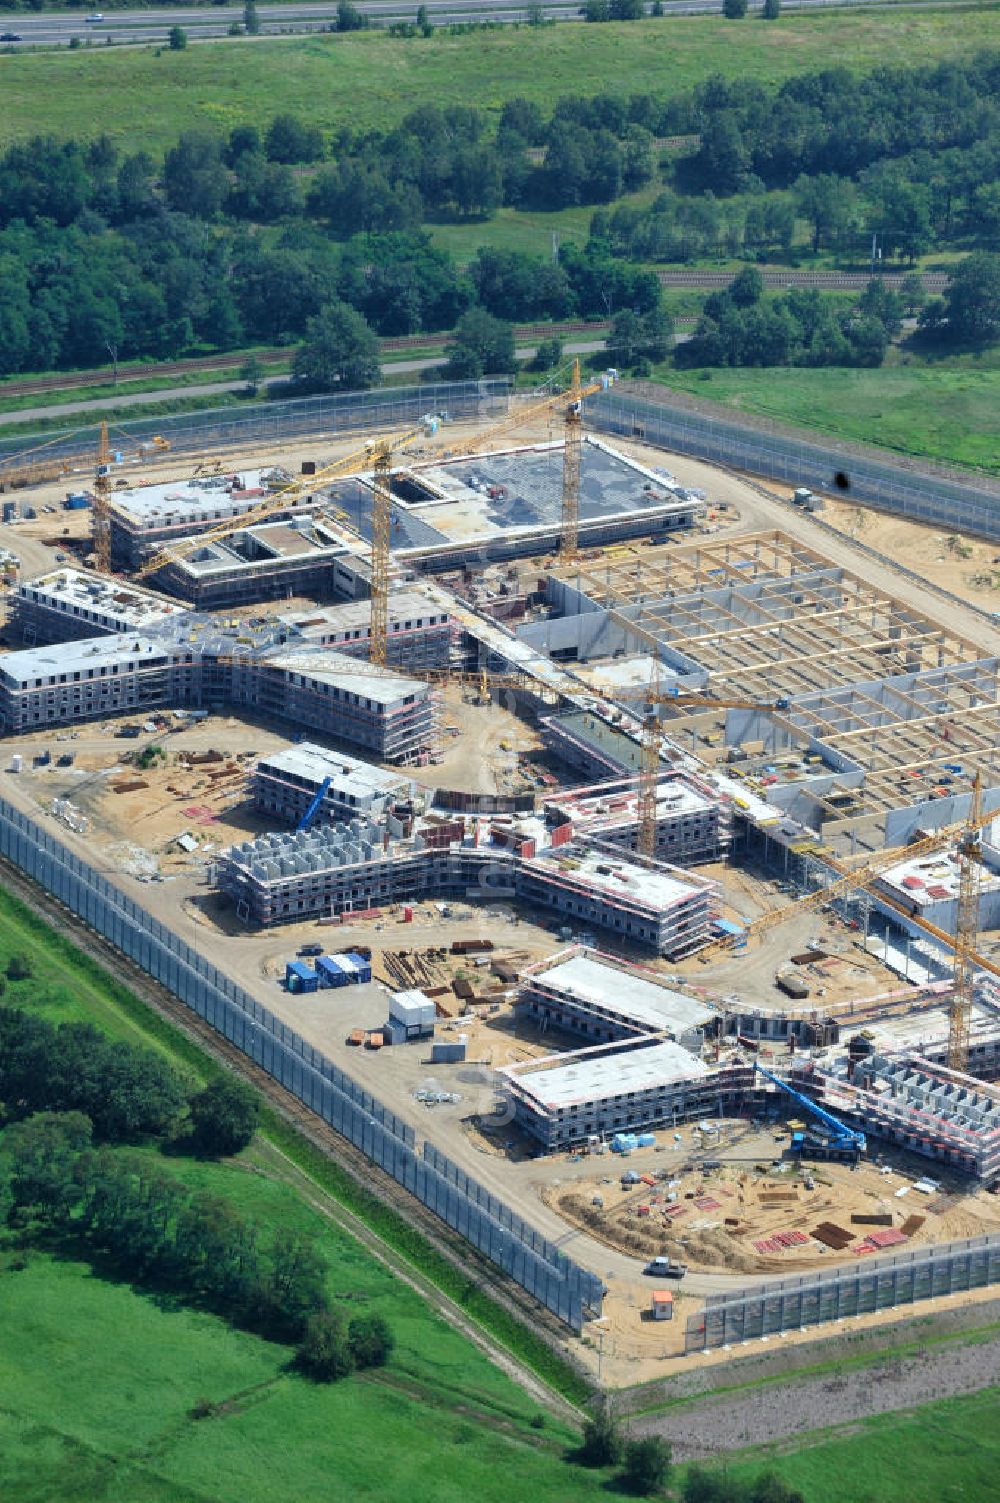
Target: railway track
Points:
(475, 1269)
(210, 364)
(829, 281)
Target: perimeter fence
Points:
(860, 1288)
(570, 1292)
(903, 489)
(275, 423)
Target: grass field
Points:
(946, 412)
(369, 80)
(97, 1381)
(97, 1385)
(947, 1452)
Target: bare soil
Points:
(965, 565)
(728, 1220)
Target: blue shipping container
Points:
(331, 972)
(362, 967)
(300, 977)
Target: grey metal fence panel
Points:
(859, 1288)
(491, 1226)
(904, 491)
(304, 417)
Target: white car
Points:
(95, 18)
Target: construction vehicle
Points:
(313, 809)
(841, 1143)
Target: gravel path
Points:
(774, 1411)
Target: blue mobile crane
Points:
(311, 812)
(843, 1143)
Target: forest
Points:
(236, 239)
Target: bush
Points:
(129, 1093)
(177, 37)
(325, 1353)
(370, 1341)
(19, 968)
(647, 1465)
(224, 1117)
(548, 355)
(734, 10)
(602, 1441)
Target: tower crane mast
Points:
(101, 521)
(569, 537)
(378, 640)
(966, 931)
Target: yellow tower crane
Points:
(649, 773)
(101, 524)
(970, 871)
(569, 532)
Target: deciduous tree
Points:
(340, 352)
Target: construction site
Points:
(576, 803)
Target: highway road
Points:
(204, 23)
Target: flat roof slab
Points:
(588, 980)
(588, 1077)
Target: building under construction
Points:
(146, 518)
(604, 1089)
(188, 661)
(693, 822)
(300, 556)
(419, 628)
(605, 1000)
(71, 603)
(454, 511)
(286, 783)
(921, 1105)
(338, 869)
(858, 716)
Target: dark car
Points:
(11, 36)
(310, 950)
